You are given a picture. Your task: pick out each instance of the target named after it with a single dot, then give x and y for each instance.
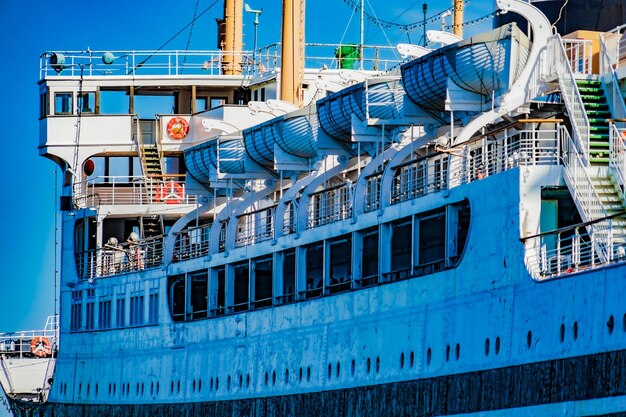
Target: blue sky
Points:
(27, 209)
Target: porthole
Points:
(429, 356)
(300, 375)
(228, 383)
(529, 339)
(240, 381)
(402, 360)
(575, 330)
(610, 324)
(377, 364)
(88, 389)
(157, 389)
(447, 353)
(411, 359)
(330, 370)
(193, 386)
(247, 380)
(457, 351)
(286, 376)
(497, 345)
(171, 389)
(369, 365)
(178, 387)
(338, 370)
(487, 346)
(199, 384)
(562, 332)
(273, 377)
(353, 367)
(308, 373)
(96, 390)
(211, 384)
(151, 389)
(217, 383)
(266, 379)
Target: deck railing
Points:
(123, 190)
(330, 205)
(617, 157)
(113, 259)
(192, 243)
(572, 249)
(579, 54)
(19, 344)
(420, 177)
(255, 227)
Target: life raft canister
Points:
(170, 192)
(177, 128)
(40, 346)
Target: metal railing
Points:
(192, 243)
(572, 249)
(420, 177)
(371, 201)
(569, 91)
(617, 157)
(579, 183)
(255, 227)
(20, 344)
(330, 205)
(120, 258)
(611, 84)
(123, 190)
(579, 54)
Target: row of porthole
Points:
(215, 383)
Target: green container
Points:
(347, 55)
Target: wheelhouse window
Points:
(44, 109)
(63, 103)
(87, 102)
(218, 101)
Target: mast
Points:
(458, 18)
(292, 51)
(232, 43)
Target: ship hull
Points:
(585, 385)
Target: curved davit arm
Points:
(517, 95)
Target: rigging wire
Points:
(384, 33)
(347, 26)
(175, 35)
(195, 14)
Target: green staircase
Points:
(597, 109)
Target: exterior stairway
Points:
(612, 202)
(597, 109)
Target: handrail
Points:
(571, 95)
(573, 227)
(617, 157)
(614, 95)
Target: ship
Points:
(443, 234)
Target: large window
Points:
(153, 307)
(87, 102)
(120, 307)
(263, 282)
(104, 314)
(198, 297)
(137, 310)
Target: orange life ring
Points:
(177, 128)
(40, 346)
(170, 192)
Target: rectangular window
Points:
(136, 310)
(153, 308)
(200, 104)
(432, 239)
(176, 297)
(63, 103)
(104, 314)
(401, 244)
(198, 296)
(369, 262)
(87, 102)
(76, 318)
(263, 282)
(89, 315)
(218, 101)
(120, 305)
(241, 286)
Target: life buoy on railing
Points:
(40, 346)
(169, 192)
(177, 128)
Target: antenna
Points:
(257, 13)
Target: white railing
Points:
(571, 249)
(371, 199)
(579, 183)
(255, 227)
(192, 243)
(569, 92)
(617, 157)
(121, 190)
(19, 344)
(113, 259)
(612, 91)
(579, 54)
(330, 205)
(420, 177)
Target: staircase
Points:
(151, 226)
(150, 161)
(597, 109)
(612, 202)
(150, 156)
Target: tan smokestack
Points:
(233, 36)
(292, 51)
(457, 26)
